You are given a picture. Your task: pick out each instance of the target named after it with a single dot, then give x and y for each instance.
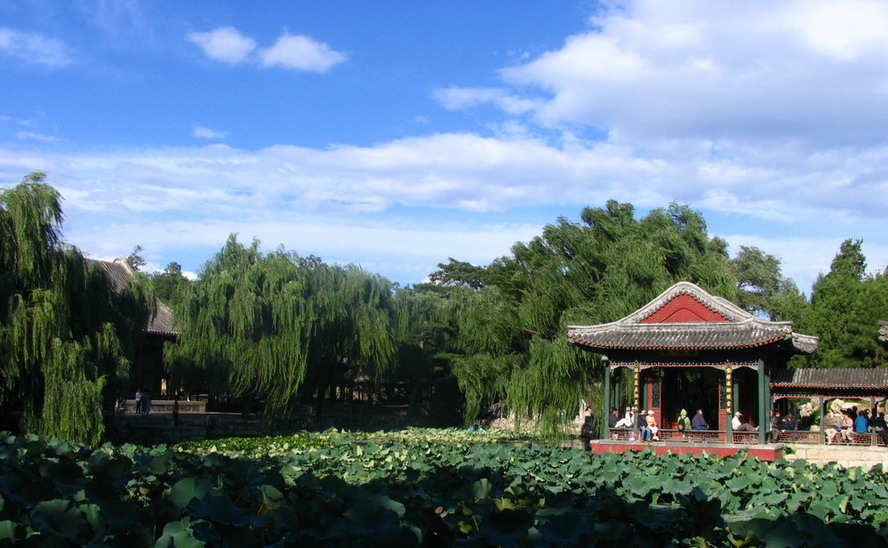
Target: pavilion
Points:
(688, 349)
(148, 366)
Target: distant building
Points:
(148, 363)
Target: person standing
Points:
(139, 397)
(587, 431)
(176, 412)
(146, 403)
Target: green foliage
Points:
(261, 326)
(762, 288)
(512, 329)
(846, 306)
(169, 284)
(67, 334)
(420, 488)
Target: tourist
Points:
(699, 421)
(878, 422)
(738, 426)
(790, 422)
(146, 403)
(139, 396)
(652, 427)
(774, 424)
(627, 421)
(847, 425)
(587, 432)
(832, 425)
(861, 423)
(684, 422)
(613, 418)
(176, 412)
(643, 427)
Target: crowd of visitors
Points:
(839, 427)
(843, 424)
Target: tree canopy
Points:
(265, 326)
(846, 306)
(599, 270)
(68, 336)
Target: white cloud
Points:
(224, 44)
(301, 53)
(202, 132)
(389, 193)
(294, 52)
(811, 71)
(37, 137)
(34, 48)
(458, 98)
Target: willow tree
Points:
(67, 335)
(352, 335)
(274, 326)
(513, 328)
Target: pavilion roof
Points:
(837, 378)
(119, 272)
(685, 317)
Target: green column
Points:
(764, 402)
(607, 392)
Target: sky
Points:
(396, 134)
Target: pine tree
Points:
(846, 307)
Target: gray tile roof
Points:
(876, 378)
(119, 272)
(741, 330)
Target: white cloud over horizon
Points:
(201, 132)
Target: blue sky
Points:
(398, 134)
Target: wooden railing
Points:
(745, 438)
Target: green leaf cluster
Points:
(417, 490)
(846, 307)
(67, 335)
(511, 330)
(274, 326)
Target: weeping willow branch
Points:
(67, 335)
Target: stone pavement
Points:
(867, 457)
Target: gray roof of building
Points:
(741, 330)
(876, 378)
(119, 272)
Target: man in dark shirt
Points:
(699, 422)
(612, 419)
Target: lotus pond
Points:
(423, 488)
